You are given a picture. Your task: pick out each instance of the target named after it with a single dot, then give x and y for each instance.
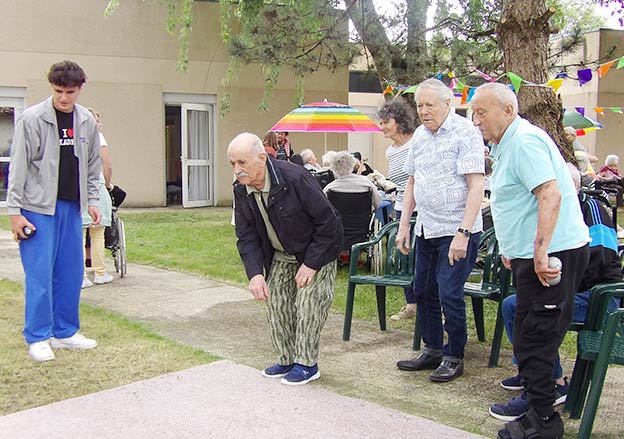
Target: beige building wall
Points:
(604, 45)
(130, 60)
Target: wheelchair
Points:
(115, 241)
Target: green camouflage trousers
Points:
(297, 315)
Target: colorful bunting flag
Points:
(604, 68)
(584, 76)
(580, 110)
(555, 83)
(599, 110)
(516, 81)
(620, 63)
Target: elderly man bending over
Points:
(289, 236)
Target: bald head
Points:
(494, 107)
(246, 142)
(248, 159)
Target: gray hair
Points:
(306, 155)
(442, 91)
(576, 176)
(342, 164)
(612, 160)
(328, 158)
(401, 112)
(252, 143)
(570, 130)
(502, 93)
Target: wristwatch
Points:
(464, 232)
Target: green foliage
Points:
(301, 35)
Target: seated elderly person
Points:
(342, 167)
(309, 160)
(611, 173)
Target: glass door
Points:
(10, 109)
(197, 155)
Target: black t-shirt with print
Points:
(68, 185)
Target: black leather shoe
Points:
(447, 371)
(422, 362)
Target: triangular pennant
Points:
(451, 75)
(561, 75)
(604, 68)
(471, 93)
(584, 76)
(411, 89)
(453, 83)
(388, 90)
(599, 110)
(555, 83)
(485, 76)
(464, 98)
(439, 76)
(580, 110)
(516, 81)
(620, 63)
(459, 86)
(616, 109)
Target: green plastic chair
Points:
(495, 285)
(597, 347)
(601, 348)
(397, 271)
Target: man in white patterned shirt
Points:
(445, 164)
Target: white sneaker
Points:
(40, 351)
(76, 341)
(103, 279)
(86, 283)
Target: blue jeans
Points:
(53, 268)
(581, 304)
(439, 286)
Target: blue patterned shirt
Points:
(439, 163)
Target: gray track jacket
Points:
(34, 167)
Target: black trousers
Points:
(543, 315)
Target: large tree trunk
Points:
(524, 33)
(402, 64)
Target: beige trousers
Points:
(97, 248)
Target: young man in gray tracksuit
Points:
(53, 175)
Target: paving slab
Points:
(220, 400)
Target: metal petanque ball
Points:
(554, 262)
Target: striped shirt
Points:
(397, 156)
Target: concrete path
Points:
(361, 393)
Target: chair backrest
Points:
(494, 272)
(599, 301)
(355, 208)
(323, 177)
(396, 263)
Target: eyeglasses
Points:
(480, 114)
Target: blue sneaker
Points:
(512, 410)
(277, 371)
(513, 383)
(561, 391)
(301, 374)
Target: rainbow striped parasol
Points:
(325, 117)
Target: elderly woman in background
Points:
(397, 122)
(342, 168)
(611, 172)
(270, 144)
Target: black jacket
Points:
(306, 223)
(604, 262)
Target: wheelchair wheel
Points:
(120, 254)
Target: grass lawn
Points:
(127, 353)
(200, 241)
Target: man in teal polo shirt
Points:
(536, 215)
